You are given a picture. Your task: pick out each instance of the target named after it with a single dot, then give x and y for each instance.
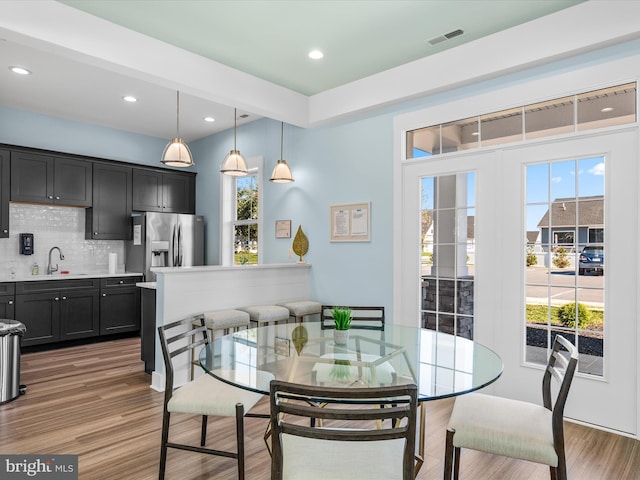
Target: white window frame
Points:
(228, 198)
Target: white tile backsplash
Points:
(55, 226)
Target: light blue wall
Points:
(349, 161)
(18, 127)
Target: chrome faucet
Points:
(51, 269)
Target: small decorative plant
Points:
(342, 318)
(341, 370)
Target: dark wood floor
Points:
(95, 401)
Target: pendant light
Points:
(177, 153)
(281, 172)
(234, 163)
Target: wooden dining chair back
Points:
(513, 428)
(353, 446)
(203, 395)
(362, 317)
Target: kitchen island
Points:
(184, 291)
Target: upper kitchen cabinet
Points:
(37, 178)
(110, 216)
(5, 188)
(157, 191)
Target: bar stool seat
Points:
(302, 308)
(226, 319)
(265, 314)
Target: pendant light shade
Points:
(281, 172)
(177, 153)
(234, 163)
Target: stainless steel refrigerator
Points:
(165, 240)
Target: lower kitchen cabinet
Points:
(79, 314)
(7, 300)
(57, 310)
(119, 305)
(40, 314)
(61, 310)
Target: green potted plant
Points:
(342, 319)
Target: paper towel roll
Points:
(113, 262)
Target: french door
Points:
(521, 213)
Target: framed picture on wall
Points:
(283, 228)
(351, 222)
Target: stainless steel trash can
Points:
(10, 333)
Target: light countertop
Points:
(69, 276)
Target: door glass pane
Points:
(423, 142)
(544, 119)
(564, 258)
(448, 253)
(607, 107)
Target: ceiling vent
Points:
(446, 36)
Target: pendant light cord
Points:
(235, 116)
(178, 114)
(281, 140)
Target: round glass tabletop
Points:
(441, 365)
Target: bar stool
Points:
(266, 314)
(226, 320)
(302, 308)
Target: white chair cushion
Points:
(505, 427)
(303, 308)
(267, 313)
(313, 459)
(208, 396)
(220, 319)
(331, 373)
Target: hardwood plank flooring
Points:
(95, 401)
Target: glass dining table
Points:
(441, 365)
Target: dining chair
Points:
(353, 446)
(362, 317)
(203, 395)
(514, 428)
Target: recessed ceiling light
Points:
(316, 54)
(607, 109)
(209, 119)
(130, 98)
(19, 70)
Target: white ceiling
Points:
(86, 54)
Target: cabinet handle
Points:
(121, 282)
(104, 294)
(6, 231)
(64, 298)
(50, 197)
(56, 299)
(95, 233)
(57, 198)
(10, 302)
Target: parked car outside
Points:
(591, 260)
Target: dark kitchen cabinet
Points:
(5, 191)
(47, 179)
(119, 305)
(40, 314)
(7, 300)
(156, 191)
(148, 329)
(110, 216)
(57, 310)
(79, 314)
